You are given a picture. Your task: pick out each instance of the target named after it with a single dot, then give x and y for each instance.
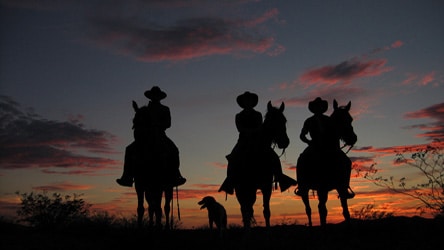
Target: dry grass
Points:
(387, 233)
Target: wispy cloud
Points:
(396, 44)
(420, 80)
(433, 130)
(341, 92)
(186, 39)
(30, 141)
(62, 187)
(110, 27)
(434, 135)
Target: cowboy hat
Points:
(318, 106)
(247, 100)
(155, 93)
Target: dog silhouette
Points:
(216, 213)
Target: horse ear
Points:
(335, 104)
(282, 107)
(348, 106)
(269, 106)
(135, 106)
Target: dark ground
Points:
(394, 233)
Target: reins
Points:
(177, 201)
(172, 207)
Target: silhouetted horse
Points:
(256, 170)
(327, 171)
(153, 174)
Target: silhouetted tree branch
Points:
(430, 191)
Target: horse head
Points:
(140, 121)
(343, 123)
(275, 125)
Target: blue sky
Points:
(70, 69)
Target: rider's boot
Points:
(125, 181)
(227, 186)
(128, 166)
(179, 179)
(348, 193)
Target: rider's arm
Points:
(167, 119)
(304, 132)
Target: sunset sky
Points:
(69, 70)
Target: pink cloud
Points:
(397, 44)
(410, 78)
(261, 19)
(344, 72)
(433, 130)
(421, 81)
(339, 92)
(427, 78)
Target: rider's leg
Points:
(301, 172)
(347, 191)
(174, 161)
(285, 182)
(233, 159)
(128, 166)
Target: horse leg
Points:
(247, 212)
(246, 200)
(150, 211)
(167, 206)
(345, 211)
(140, 207)
(306, 201)
(155, 207)
(322, 207)
(343, 192)
(266, 195)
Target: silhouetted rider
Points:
(248, 123)
(149, 125)
(323, 141)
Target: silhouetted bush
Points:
(369, 212)
(43, 211)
